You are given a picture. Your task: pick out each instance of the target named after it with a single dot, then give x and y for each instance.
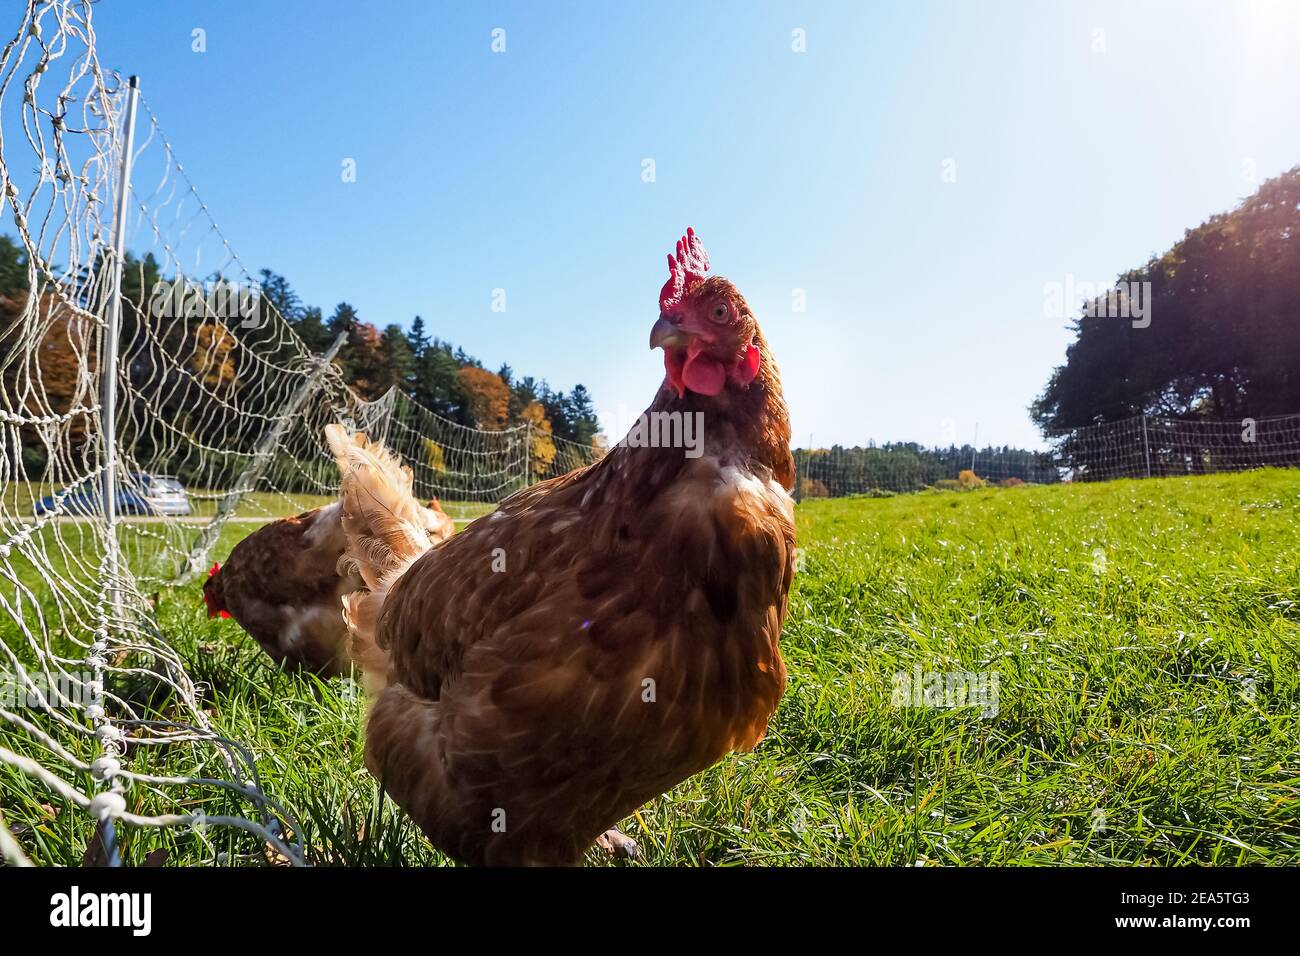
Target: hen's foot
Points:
(618, 845)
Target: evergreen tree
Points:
(583, 419)
(311, 327)
(276, 290)
(522, 394)
(398, 362)
(417, 339)
(13, 268)
(342, 319)
(437, 386)
(558, 410)
(360, 356)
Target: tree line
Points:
(906, 466)
(431, 371)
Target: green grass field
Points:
(1144, 637)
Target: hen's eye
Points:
(720, 313)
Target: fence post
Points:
(264, 452)
(108, 364)
(106, 830)
(1146, 446)
(528, 450)
(794, 455)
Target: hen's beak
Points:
(665, 334)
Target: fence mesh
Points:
(1138, 447)
(219, 415)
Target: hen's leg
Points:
(618, 844)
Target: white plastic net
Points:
(470, 470)
(219, 417)
(1154, 447)
(1138, 447)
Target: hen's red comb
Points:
(684, 271)
(216, 566)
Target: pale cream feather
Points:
(386, 530)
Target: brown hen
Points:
(282, 584)
(602, 636)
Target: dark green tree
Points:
(277, 291)
(437, 386)
(311, 327)
(417, 338)
(1224, 327)
(13, 268)
(582, 413)
(398, 362)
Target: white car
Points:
(165, 495)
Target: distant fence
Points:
(1149, 447)
(1140, 447)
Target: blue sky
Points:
(1076, 153)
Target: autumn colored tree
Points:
(487, 398)
(58, 373)
(210, 360)
(541, 448)
(434, 456)
(366, 361)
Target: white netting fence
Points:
(90, 689)
(1154, 447)
(467, 469)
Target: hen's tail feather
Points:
(386, 530)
